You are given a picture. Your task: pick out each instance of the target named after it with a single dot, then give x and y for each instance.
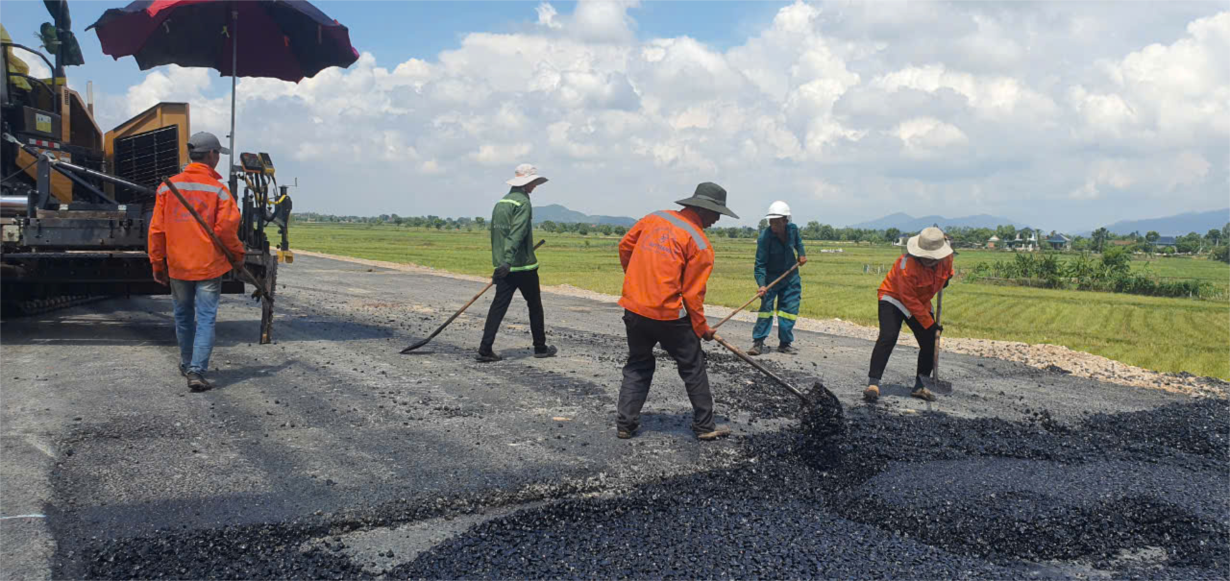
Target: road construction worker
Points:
(184, 256)
(667, 260)
(905, 295)
(775, 254)
(516, 267)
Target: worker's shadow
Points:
(231, 377)
(673, 424)
(895, 390)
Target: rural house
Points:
(1059, 242)
(1165, 241)
(993, 242)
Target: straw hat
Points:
(930, 243)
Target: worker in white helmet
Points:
(777, 250)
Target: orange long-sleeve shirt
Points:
(667, 260)
(177, 243)
(912, 285)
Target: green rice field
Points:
(1165, 334)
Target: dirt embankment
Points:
(1042, 356)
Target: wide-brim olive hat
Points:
(709, 196)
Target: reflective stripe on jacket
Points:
(512, 232)
(667, 260)
(912, 285)
(177, 243)
(774, 257)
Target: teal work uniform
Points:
(774, 257)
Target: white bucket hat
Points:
(525, 174)
(930, 243)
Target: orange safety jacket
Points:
(177, 241)
(910, 286)
(667, 260)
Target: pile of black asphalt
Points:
(862, 494)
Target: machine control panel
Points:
(259, 163)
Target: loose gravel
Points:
(856, 493)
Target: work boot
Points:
(872, 393)
(197, 382)
(487, 357)
(920, 389)
(625, 434)
(544, 352)
(787, 348)
(183, 370)
(757, 348)
(715, 433)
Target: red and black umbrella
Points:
(280, 39)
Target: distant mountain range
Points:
(908, 223)
(1177, 225)
(558, 213)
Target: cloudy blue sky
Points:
(1064, 115)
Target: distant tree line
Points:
(1214, 241)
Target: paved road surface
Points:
(329, 454)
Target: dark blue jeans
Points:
(196, 311)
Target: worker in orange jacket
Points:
(667, 260)
(905, 295)
(184, 257)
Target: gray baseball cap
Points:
(206, 142)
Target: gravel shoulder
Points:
(330, 455)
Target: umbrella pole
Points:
(234, 75)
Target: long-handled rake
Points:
(458, 313)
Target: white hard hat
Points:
(778, 209)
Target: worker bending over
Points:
(667, 260)
(905, 295)
(516, 267)
(775, 254)
(184, 256)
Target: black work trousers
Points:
(890, 327)
(681, 342)
(525, 281)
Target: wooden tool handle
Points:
(243, 270)
(753, 363)
(756, 296)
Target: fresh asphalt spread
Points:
(328, 455)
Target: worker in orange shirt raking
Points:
(667, 260)
(184, 256)
(905, 295)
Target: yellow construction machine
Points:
(75, 203)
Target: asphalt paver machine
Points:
(76, 203)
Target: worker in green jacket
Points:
(516, 267)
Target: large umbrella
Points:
(280, 39)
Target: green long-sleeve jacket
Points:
(773, 257)
(512, 232)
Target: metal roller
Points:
(13, 205)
